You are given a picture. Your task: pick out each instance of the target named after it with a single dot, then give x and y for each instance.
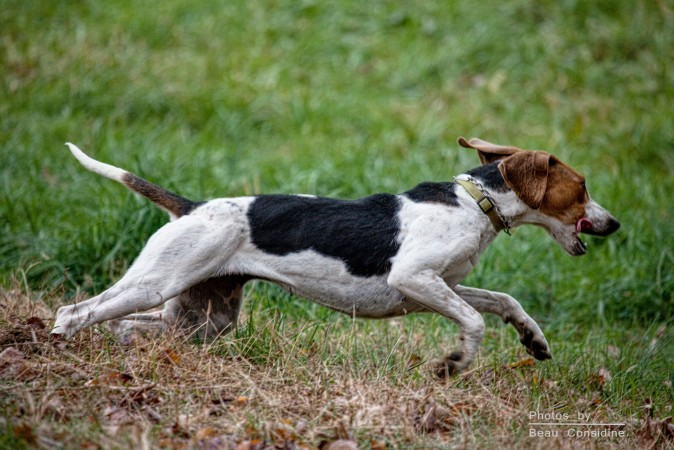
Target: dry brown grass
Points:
(169, 392)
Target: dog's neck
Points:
(490, 181)
(484, 201)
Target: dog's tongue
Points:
(583, 224)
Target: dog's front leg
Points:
(510, 311)
(427, 288)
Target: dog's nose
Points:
(613, 225)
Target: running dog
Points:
(380, 256)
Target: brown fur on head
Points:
(566, 195)
(539, 179)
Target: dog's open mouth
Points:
(582, 247)
(582, 226)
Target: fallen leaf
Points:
(252, 444)
(282, 432)
(526, 362)
(241, 400)
(377, 445)
(36, 323)
(171, 356)
(600, 378)
(25, 432)
(111, 378)
(206, 433)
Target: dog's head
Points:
(555, 193)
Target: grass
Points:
(337, 99)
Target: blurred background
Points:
(345, 99)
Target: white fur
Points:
(106, 170)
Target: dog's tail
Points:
(173, 204)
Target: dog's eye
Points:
(582, 193)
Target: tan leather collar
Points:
(485, 203)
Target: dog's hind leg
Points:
(210, 308)
(127, 327)
(510, 311)
(206, 310)
(180, 255)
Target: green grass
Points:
(345, 99)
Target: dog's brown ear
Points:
(526, 173)
(487, 151)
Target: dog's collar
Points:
(484, 201)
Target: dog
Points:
(380, 256)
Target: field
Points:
(343, 99)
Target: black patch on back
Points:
(433, 193)
(362, 233)
(490, 176)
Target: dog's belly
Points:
(368, 297)
(327, 282)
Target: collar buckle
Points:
(485, 203)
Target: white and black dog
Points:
(379, 256)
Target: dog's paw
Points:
(535, 343)
(59, 335)
(449, 366)
(63, 324)
(132, 331)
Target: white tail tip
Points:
(106, 170)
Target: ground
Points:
(307, 385)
